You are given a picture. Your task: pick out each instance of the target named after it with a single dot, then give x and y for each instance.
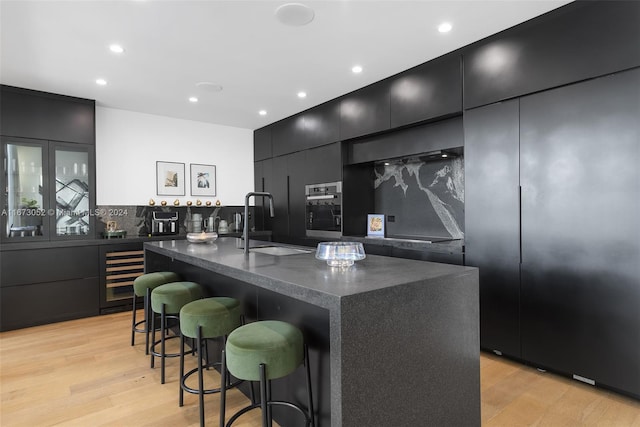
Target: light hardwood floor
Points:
(85, 373)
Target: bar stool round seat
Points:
(204, 319)
(167, 300)
(142, 287)
(264, 351)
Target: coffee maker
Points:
(164, 223)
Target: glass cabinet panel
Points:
(72, 192)
(24, 202)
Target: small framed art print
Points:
(203, 180)
(170, 179)
(375, 225)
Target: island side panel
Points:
(410, 354)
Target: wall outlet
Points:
(391, 218)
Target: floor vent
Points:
(584, 380)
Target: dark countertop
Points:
(302, 276)
(46, 244)
(434, 245)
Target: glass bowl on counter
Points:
(340, 254)
(203, 237)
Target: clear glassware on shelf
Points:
(24, 199)
(72, 192)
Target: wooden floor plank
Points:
(84, 372)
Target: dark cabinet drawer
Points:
(31, 266)
(42, 303)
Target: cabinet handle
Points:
(520, 221)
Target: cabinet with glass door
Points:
(48, 190)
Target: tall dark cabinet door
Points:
(580, 151)
(492, 220)
(297, 173)
(279, 189)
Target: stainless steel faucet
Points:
(245, 233)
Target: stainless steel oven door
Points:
(324, 216)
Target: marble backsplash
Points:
(426, 199)
(136, 220)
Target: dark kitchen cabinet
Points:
(322, 124)
(262, 144)
(428, 91)
(33, 114)
(579, 41)
(287, 136)
(50, 190)
(365, 111)
(287, 189)
(263, 181)
(312, 128)
(580, 248)
(492, 220)
(323, 164)
(39, 286)
(285, 178)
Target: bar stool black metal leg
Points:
(133, 322)
(263, 396)
(163, 327)
(181, 401)
(200, 376)
(147, 311)
(153, 339)
(309, 394)
(223, 389)
(269, 407)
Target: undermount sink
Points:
(280, 251)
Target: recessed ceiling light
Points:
(262, 112)
(356, 69)
(445, 27)
(101, 82)
(295, 14)
(193, 99)
(116, 48)
(302, 94)
(445, 155)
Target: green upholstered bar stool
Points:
(142, 287)
(264, 351)
(204, 319)
(167, 300)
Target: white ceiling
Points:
(170, 45)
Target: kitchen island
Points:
(393, 342)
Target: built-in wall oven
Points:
(324, 209)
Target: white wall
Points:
(128, 144)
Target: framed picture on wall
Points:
(170, 179)
(203, 180)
